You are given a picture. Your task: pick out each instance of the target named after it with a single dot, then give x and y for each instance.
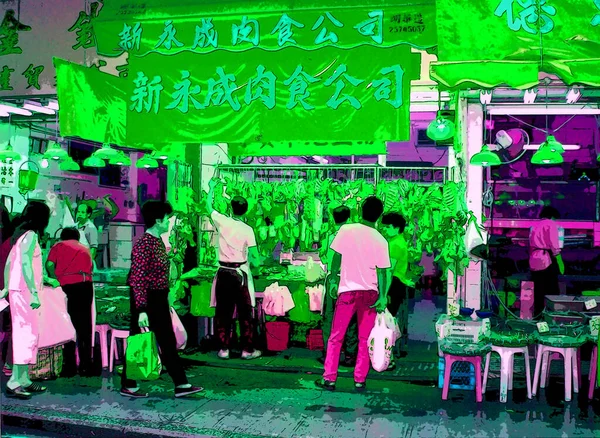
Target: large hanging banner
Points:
(568, 31)
(259, 98)
(143, 26)
(93, 105)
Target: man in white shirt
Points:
(87, 229)
(233, 287)
(363, 255)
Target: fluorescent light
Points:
(320, 159)
(424, 108)
(566, 147)
(535, 110)
(53, 104)
(14, 110)
(429, 96)
(38, 109)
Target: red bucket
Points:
(278, 334)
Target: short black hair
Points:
(372, 209)
(35, 217)
(88, 208)
(341, 214)
(153, 211)
(69, 233)
(394, 219)
(549, 212)
(239, 206)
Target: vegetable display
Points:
(297, 213)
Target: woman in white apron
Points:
(24, 277)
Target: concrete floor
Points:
(253, 403)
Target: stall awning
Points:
(507, 42)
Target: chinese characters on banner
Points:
(7, 174)
(360, 94)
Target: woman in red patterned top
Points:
(149, 300)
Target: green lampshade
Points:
(94, 162)
(554, 145)
(545, 156)
(8, 154)
(106, 152)
(485, 158)
(146, 162)
(69, 166)
(440, 129)
(120, 160)
(55, 152)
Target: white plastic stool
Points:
(507, 359)
(102, 330)
(116, 334)
(570, 365)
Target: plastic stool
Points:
(593, 372)
(449, 360)
(570, 363)
(507, 357)
(116, 334)
(546, 368)
(102, 330)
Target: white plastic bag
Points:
(179, 330)
(392, 324)
(381, 342)
(315, 295)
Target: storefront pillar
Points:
(465, 290)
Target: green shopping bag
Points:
(142, 358)
(200, 305)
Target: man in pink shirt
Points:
(363, 255)
(545, 260)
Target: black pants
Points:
(231, 295)
(79, 306)
(159, 318)
(544, 283)
(398, 307)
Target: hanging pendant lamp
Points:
(106, 152)
(120, 160)
(485, 158)
(146, 162)
(8, 154)
(440, 129)
(94, 162)
(546, 156)
(69, 165)
(55, 152)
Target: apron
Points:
(243, 271)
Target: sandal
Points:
(18, 393)
(35, 388)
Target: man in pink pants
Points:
(363, 255)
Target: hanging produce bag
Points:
(301, 312)
(142, 358)
(380, 344)
(315, 295)
(201, 300)
(392, 324)
(179, 330)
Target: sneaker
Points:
(250, 356)
(223, 354)
(325, 384)
(184, 392)
(125, 392)
(360, 386)
(19, 393)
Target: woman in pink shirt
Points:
(545, 260)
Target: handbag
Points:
(179, 330)
(143, 362)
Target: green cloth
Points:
(200, 305)
(506, 32)
(313, 24)
(142, 358)
(456, 349)
(399, 252)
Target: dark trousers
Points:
(159, 318)
(79, 307)
(232, 295)
(351, 339)
(545, 282)
(398, 307)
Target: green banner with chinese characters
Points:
(143, 26)
(540, 35)
(93, 105)
(261, 97)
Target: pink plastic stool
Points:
(102, 330)
(546, 368)
(449, 360)
(593, 372)
(114, 354)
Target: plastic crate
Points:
(461, 377)
(314, 340)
